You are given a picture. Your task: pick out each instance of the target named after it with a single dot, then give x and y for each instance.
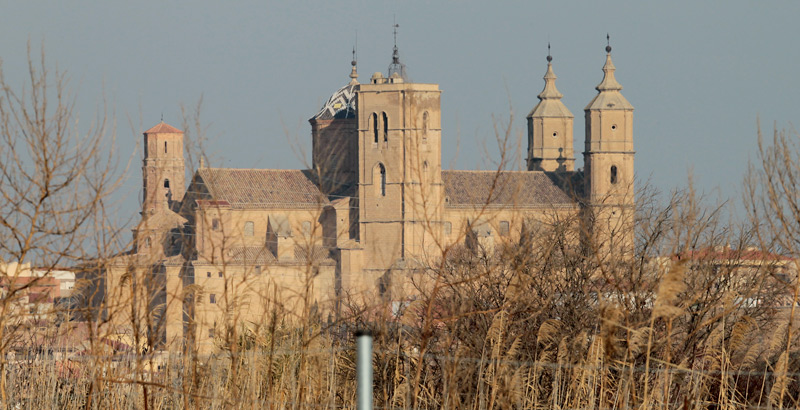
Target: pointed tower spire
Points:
(550, 91)
(609, 83)
(550, 128)
(609, 96)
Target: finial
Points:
(162, 117)
(353, 71)
(396, 68)
(395, 26)
(395, 54)
(608, 43)
(355, 46)
(549, 57)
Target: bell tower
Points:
(400, 183)
(608, 161)
(163, 172)
(550, 129)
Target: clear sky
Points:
(699, 73)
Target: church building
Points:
(234, 247)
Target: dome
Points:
(342, 104)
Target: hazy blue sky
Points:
(698, 72)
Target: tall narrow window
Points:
(166, 183)
(306, 228)
(375, 127)
(448, 228)
(165, 147)
(214, 224)
(249, 228)
(425, 123)
(504, 228)
(212, 298)
(613, 174)
(385, 128)
(383, 180)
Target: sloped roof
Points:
(247, 255)
(163, 128)
(167, 219)
(525, 189)
(261, 255)
(263, 188)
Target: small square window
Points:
(208, 274)
(215, 224)
(212, 298)
(220, 274)
(249, 228)
(306, 228)
(210, 332)
(258, 270)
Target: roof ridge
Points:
(252, 169)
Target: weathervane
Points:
(608, 43)
(549, 57)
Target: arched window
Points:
(613, 174)
(375, 127)
(147, 242)
(166, 183)
(385, 128)
(379, 179)
(249, 228)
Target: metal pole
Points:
(364, 369)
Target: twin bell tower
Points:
(608, 174)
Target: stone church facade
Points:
(233, 247)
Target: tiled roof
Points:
(163, 128)
(526, 189)
(340, 105)
(263, 188)
(317, 254)
(261, 255)
(250, 255)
